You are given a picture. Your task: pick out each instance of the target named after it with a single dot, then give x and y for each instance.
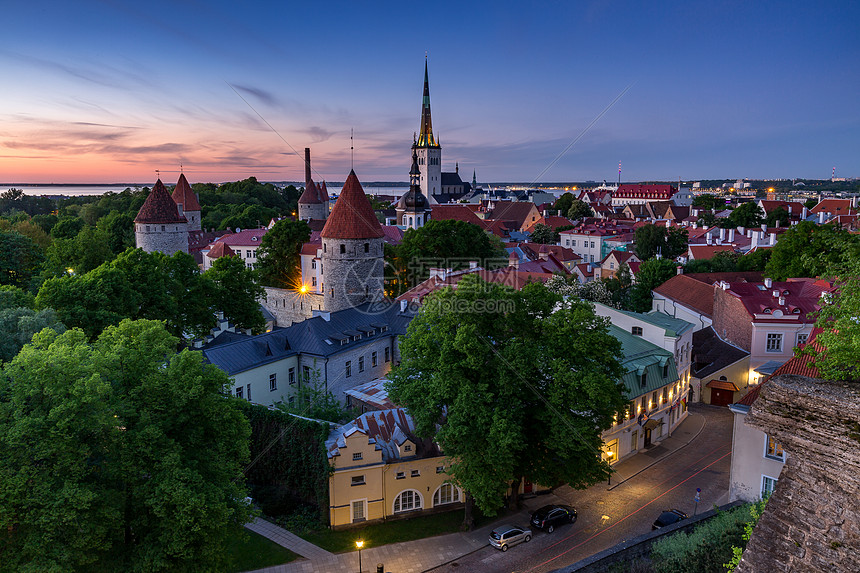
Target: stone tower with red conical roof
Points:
(314, 202)
(159, 226)
(352, 257)
(187, 203)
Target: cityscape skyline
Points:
(104, 92)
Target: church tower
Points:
(428, 148)
(352, 259)
(187, 203)
(159, 226)
(413, 208)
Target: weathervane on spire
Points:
(158, 174)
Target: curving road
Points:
(610, 515)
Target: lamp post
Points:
(609, 455)
(359, 544)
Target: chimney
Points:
(709, 239)
(403, 304)
(722, 235)
(775, 293)
(731, 235)
(440, 274)
(782, 301)
(772, 239)
(768, 282)
(514, 260)
(679, 270)
(754, 239)
(695, 212)
(821, 217)
(742, 230)
(473, 265)
(764, 227)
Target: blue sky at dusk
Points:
(111, 91)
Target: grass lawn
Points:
(377, 534)
(257, 552)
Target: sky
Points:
(533, 92)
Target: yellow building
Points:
(381, 470)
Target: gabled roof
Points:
(689, 292)
(456, 213)
(312, 194)
(373, 393)
(638, 357)
(798, 365)
(653, 192)
(704, 252)
(246, 238)
(711, 354)
(386, 429)
(159, 207)
(250, 352)
(219, 250)
(517, 211)
(352, 216)
(799, 299)
(552, 221)
(184, 195)
(834, 206)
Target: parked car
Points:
(551, 516)
(668, 517)
(504, 536)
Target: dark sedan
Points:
(551, 516)
(668, 517)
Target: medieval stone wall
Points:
(289, 306)
(354, 276)
(313, 211)
(812, 521)
(167, 239)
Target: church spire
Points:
(425, 137)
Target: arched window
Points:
(407, 501)
(447, 493)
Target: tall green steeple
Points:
(425, 137)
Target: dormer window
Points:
(643, 380)
(636, 331)
(795, 311)
(766, 311)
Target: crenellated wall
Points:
(812, 521)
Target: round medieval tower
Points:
(158, 225)
(352, 258)
(186, 201)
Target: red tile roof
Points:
(654, 192)
(700, 252)
(798, 365)
(689, 292)
(311, 248)
(834, 206)
(352, 216)
(722, 385)
(246, 238)
(456, 213)
(185, 195)
(553, 221)
(508, 276)
(312, 195)
(219, 250)
(159, 207)
(800, 298)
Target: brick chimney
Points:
(307, 165)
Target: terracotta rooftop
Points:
(834, 206)
(700, 252)
(689, 292)
(219, 250)
(352, 216)
(655, 192)
(159, 207)
(246, 238)
(312, 194)
(507, 276)
(184, 195)
(799, 299)
(456, 213)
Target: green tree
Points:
(810, 250)
(450, 244)
(14, 297)
(777, 218)
(562, 204)
(120, 231)
(652, 273)
(746, 215)
(82, 253)
(514, 384)
(651, 240)
(20, 259)
(709, 201)
(119, 455)
(544, 235)
(754, 261)
(67, 228)
(278, 260)
(18, 326)
(810, 203)
(579, 210)
(237, 292)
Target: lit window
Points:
(773, 450)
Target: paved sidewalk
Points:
(425, 554)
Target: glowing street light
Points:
(304, 290)
(609, 456)
(359, 544)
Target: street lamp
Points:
(609, 455)
(359, 544)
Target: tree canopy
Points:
(278, 258)
(119, 455)
(450, 244)
(515, 384)
(20, 259)
(746, 215)
(652, 273)
(544, 235)
(709, 201)
(579, 210)
(651, 240)
(810, 250)
(563, 203)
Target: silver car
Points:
(506, 535)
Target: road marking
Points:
(631, 514)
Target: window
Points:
(447, 493)
(361, 363)
(611, 266)
(239, 392)
(387, 357)
(767, 485)
(348, 368)
(801, 338)
(248, 387)
(313, 281)
(773, 450)
(636, 331)
(358, 511)
(666, 370)
(407, 448)
(357, 480)
(440, 469)
(416, 473)
(367, 245)
(273, 382)
(592, 244)
(373, 359)
(356, 456)
(665, 397)
(400, 475)
(306, 373)
(642, 403)
(643, 380)
(774, 342)
(342, 249)
(573, 243)
(654, 399)
(313, 264)
(407, 501)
